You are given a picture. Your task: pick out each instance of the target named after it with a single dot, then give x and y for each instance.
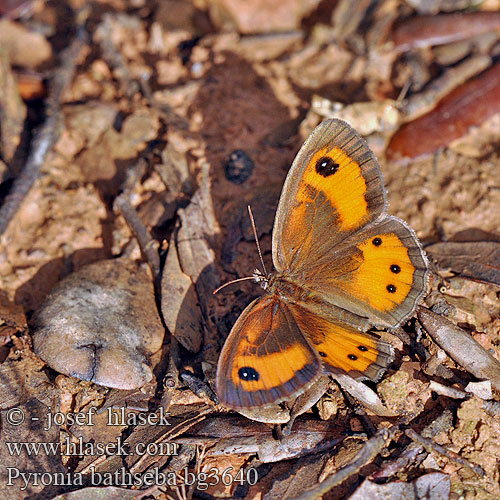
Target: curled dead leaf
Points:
(461, 347)
(476, 260)
(366, 396)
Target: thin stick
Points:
(368, 452)
(403, 93)
(231, 282)
(256, 239)
(45, 136)
(431, 447)
(147, 244)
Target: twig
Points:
(449, 392)
(367, 454)
(171, 379)
(146, 461)
(148, 245)
(45, 136)
(433, 447)
(113, 56)
(414, 453)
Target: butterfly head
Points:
(261, 278)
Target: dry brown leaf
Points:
(179, 302)
(476, 260)
(461, 347)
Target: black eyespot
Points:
(352, 357)
(391, 288)
(248, 373)
(377, 241)
(362, 348)
(326, 166)
(322, 354)
(395, 269)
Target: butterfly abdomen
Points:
(292, 293)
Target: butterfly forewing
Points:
(334, 188)
(331, 210)
(266, 359)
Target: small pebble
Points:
(239, 167)
(100, 324)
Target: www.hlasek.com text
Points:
(70, 447)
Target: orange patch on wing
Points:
(340, 347)
(284, 365)
(345, 189)
(374, 281)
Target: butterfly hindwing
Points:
(265, 359)
(378, 273)
(342, 348)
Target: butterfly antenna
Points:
(256, 239)
(257, 275)
(231, 282)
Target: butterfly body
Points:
(287, 291)
(342, 264)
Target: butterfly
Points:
(342, 265)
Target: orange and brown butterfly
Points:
(342, 265)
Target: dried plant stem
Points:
(414, 453)
(45, 136)
(148, 245)
(367, 454)
(433, 447)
